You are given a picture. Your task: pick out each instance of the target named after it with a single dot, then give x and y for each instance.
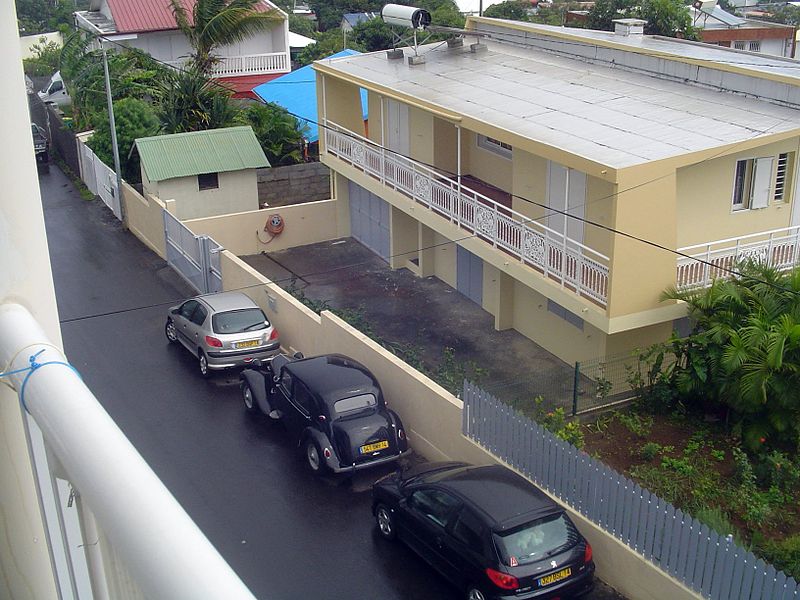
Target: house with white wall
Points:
(149, 25)
(717, 26)
(202, 173)
(563, 179)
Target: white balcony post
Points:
(162, 548)
(458, 169)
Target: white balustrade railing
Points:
(556, 256)
(248, 64)
(778, 248)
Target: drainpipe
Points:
(162, 548)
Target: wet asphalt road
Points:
(287, 534)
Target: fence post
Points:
(575, 381)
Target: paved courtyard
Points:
(423, 313)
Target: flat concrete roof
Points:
(612, 116)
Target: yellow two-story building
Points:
(562, 178)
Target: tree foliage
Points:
(744, 353)
(279, 133)
(372, 35)
(45, 60)
(664, 17)
(514, 10)
(328, 42)
(216, 23)
(42, 16)
(134, 119)
(190, 101)
(788, 14)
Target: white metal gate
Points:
(194, 257)
(369, 220)
(99, 178)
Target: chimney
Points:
(629, 27)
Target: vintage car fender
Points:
(258, 383)
(323, 442)
(402, 444)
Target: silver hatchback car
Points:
(222, 330)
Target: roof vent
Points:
(629, 27)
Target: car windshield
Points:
(239, 321)
(354, 403)
(537, 540)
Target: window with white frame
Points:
(740, 45)
(782, 176)
(755, 46)
(496, 146)
(753, 183)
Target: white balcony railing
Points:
(779, 248)
(248, 64)
(574, 265)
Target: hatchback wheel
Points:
(247, 397)
(202, 362)
(474, 593)
(385, 521)
(314, 458)
(171, 332)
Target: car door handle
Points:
(439, 542)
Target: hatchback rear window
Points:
(239, 321)
(354, 403)
(537, 540)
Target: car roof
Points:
(505, 498)
(228, 301)
(334, 376)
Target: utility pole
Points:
(113, 126)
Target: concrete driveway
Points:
(422, 313)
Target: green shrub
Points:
(556, 422)
(784, 555)
(650, 450)
(638, 424)
(718, 520)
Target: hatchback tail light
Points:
(213, 342)
(587, 554)
(502, 580)
(273, 335)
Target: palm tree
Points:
(215, 23)
(190, 101)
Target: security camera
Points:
(405, 16)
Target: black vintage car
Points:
(334, 406)
(489, 531)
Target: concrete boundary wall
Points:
(293, 184)
(244, 233)
(432, 417)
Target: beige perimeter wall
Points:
(144, 217)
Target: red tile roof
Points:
(139, 16)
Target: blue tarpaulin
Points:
(297, 93)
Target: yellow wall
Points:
(403, 239)
(529, 181)
(375, 113)
(237, 192)
(445, 151)
(444, 260)
(485, 164)
(144, 217)
(243, 233)
(420, 135)
(705, 194)
(343, 103)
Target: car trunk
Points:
(353, 434)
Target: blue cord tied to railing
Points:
(31, 369)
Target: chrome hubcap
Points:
(384, 522)
(475, 595)
(313, 457)
(248, 397)
(171, 331)
(203, 364)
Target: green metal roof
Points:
(212, 151)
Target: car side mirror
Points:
(298, 355)
(174, 311)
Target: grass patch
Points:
(84, 191)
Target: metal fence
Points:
(713, 565)
(99, 178)
(579, 388)
(195, 257)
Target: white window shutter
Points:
(762, 183)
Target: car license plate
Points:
(367, 448)
(553, 577)
(247, 344)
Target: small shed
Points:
(206, 173)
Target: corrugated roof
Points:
(213, 151)
(297, 93)
(139, 16)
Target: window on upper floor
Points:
(496, 146)
(208, 181)
(783, 174)
(753, 183)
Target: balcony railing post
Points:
(496, 228)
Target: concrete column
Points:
(26, 571)
(427, 254)
(403, 242)
(504, 303)
(340, 191)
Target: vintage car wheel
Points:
(202, 362)
(248, 398)
(314, 460)
(385, 522)
(171, 332)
